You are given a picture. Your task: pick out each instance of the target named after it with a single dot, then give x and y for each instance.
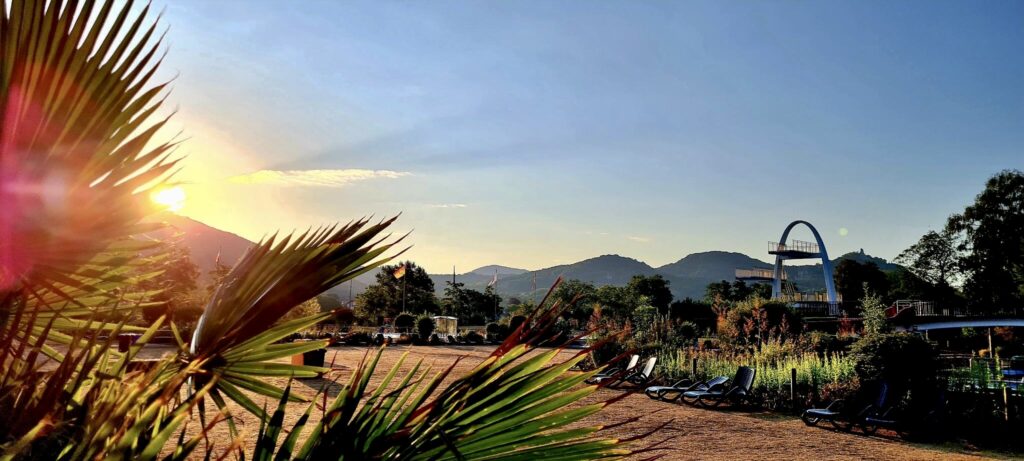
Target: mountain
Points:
(688, 277)
(204, 243)
(714, 265)
(496, 269)
(602, 270)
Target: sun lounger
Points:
(843, 414)
(676, 390)
(640, 377)
(613, 371)
(737, 392)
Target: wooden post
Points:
(693, 369)
(1006, 404)
(792, 388)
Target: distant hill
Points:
(688, 277)
(496, 269)
(204, 243)
(602, 270)
(811, 277)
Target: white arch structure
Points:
(826, 264)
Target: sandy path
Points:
(694, 433)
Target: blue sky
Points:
(536, 133)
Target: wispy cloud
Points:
(639, 239)
(315, 178)
(447, 205)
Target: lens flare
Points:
(171, 198)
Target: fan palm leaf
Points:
(237, 332)
(76, 123)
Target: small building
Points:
(447, 326)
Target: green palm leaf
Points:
(237, 333)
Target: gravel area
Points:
(691, 433)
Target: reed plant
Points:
(774, 361)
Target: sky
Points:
(532, 134)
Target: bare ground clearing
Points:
(693, 433)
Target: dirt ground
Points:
(692, 433)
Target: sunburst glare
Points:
(172, 198)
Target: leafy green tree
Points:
(692, 311)
(384, 299)
(934, 258)
(455, 298)
(329, 302)
(761, 290)
(471, 306)
(851, 277)
(655, 288)
(177, 281)
(216, 275)
(991, 243)
(618, 302)
(304, 309)
(719, 290)
(584, 294)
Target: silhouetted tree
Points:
(850, 277)
(990, 240)
(178, 283)
(655, 288)
(383, 299)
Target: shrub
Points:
(644, 316)
(699, 313)
(904, 360)
(515, 322)
(825, 343)
(404, 322)
(473, 337)
(425, 326)
(496, 332)
(756, 320)
(358, 338)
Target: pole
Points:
(403, 294)
(495, 294)
(792, 387)
(991, 353)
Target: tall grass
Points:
(817, 376)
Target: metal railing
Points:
(757, 274)
(798, 246)
(933, 309)
(818, 308)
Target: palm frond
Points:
(240, 325)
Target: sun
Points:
(172, 198)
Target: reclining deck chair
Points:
(676, 390)
(737, 392)
(614, 371)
